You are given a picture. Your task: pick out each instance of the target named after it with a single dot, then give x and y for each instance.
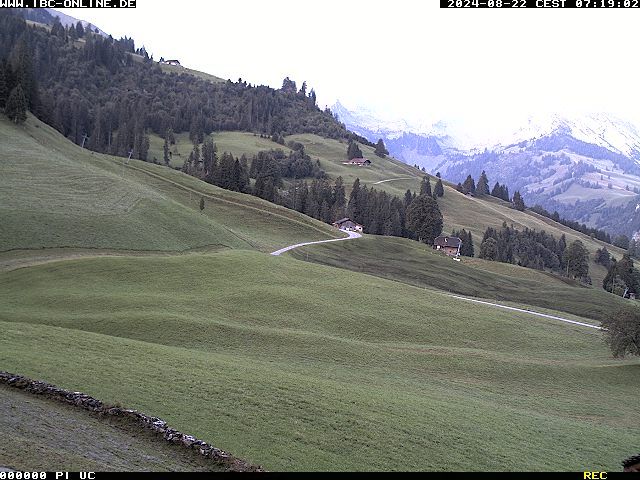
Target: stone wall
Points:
(154, 424)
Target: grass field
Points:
(61, 196)
(417, 264)
(81, 441)
(459, 211)
(113, 283)
(299, 366)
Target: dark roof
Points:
(343, 220)
(359, 160)
(453, 242)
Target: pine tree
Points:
(353, 151)
(424, 218)
(354, 209)
(16, 107)
(209, 160)
(518, 202)
(408, 198)
(425, 186)
(381, 150)
(201, 204)
(483, 184)
(469, 186)
(165, 151)
(439, 188)
(339, 199)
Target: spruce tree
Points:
(381, 150)
(483, 184)
(518, 202)
(353, 151)
(16, 107)
(165, 151)
(425, 186)
(424, 218)
(439, 188)
(469, 186)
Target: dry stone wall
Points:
(154, 424)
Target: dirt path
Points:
(394, 179)
(530, 312)
(352, 235)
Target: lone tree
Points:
(622, 332)
(201, 204)
(483, 184)
(424, 218)
(576, 258)
(16, 108)
(381, 150)
(438, 190)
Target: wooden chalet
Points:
(348, 225)
(360, 162)
(448, 245)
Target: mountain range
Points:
(586, 167)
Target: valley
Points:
(288, 364)
(157, 255)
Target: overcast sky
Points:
(406, 58)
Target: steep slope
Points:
(53, 194)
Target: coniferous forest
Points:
(109, 94)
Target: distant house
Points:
(348, 225)
(449, 245)
(175, 63)
(360, 162)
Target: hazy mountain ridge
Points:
(585, 167)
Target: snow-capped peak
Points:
(472, 134)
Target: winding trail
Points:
(352, 235)
(530, 312)
(394, 179)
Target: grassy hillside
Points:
(459, 211)
(417, 264)
(80, 441)
(53, 194)
(313, 367)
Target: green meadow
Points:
(112, 282)
(304, 367)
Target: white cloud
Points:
(405, 57)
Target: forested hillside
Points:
(110, 95)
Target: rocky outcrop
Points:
(154, 424)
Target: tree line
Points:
(502, 192)
(110, 95)
(536, 249)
